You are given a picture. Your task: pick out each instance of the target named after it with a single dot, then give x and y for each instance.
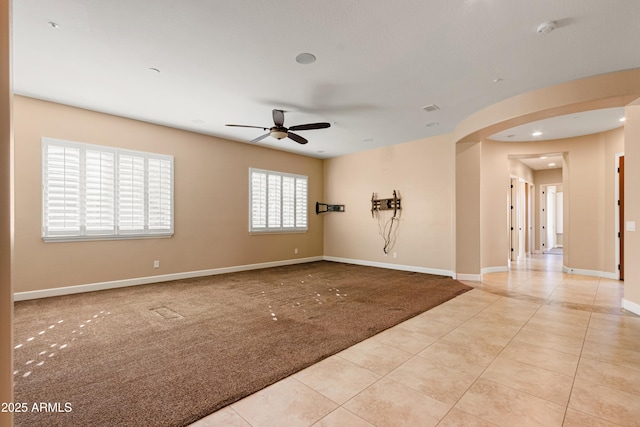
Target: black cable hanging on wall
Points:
(384, 205)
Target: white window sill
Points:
(277, 231)
(60, 239)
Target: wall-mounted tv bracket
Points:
(385, 204)
(323, 207)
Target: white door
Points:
(513, 219)
(551, 217)
(522, 219)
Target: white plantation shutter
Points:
(301, 203)
(278, 201)
(92, 191)
(131, 193)
(160, 185)
(274, 201)
(100, 192)
(258, 205)
(61, 191)
(288, 201)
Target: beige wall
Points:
(6, 294)
(468, 216)
(211, 202)
(632, 204)
(520, 170)
(494, 186)
(590, 234)
(548, 176)
(422, 171)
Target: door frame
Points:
(513, 218)
(619, 215)
(542, 212)
(520, 208)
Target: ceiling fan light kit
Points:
(278, 131)
(278, 134)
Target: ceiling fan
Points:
(278, 131)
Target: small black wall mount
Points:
(324, 207)
(385, 204)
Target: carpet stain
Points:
(167, 313)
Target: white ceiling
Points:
(541, 161)
(566, 126)
(378, 62)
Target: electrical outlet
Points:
(295, 251)
(156, 264)
(395, 254)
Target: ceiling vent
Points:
(431, 108)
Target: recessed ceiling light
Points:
(155, 70)
(53, 24)
(367, 140)
(305, 58)
(536, 133)
(543, 157)
(551, 164)
(498, 80)
(511, 135)
(320, 151)
(622, 119)
(432, 124)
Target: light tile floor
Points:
(528, 347)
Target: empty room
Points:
(319, 214)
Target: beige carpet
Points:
(169, 354)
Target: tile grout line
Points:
(485, 369)
(566, 406)
(385, 376)
(575, 374)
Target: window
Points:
(95, 192)
(278, 201)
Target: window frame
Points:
(296, 208)
(114, 232)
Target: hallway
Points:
(539, 278)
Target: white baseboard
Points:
(631, 306)
(593, 273)
(67, 290)
(469, 277)
(401, 267)
(91, 287)
(498, 269)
